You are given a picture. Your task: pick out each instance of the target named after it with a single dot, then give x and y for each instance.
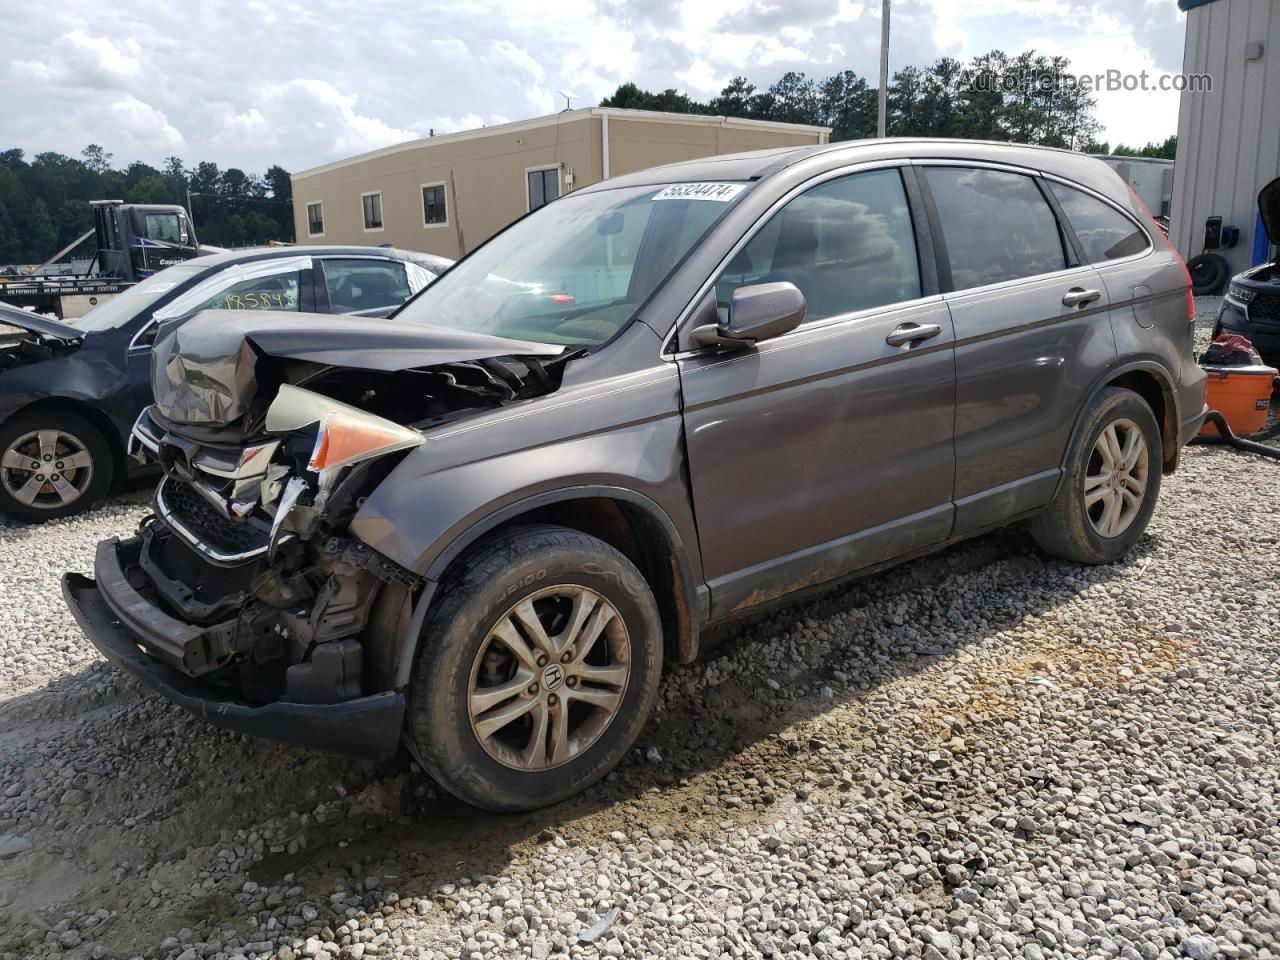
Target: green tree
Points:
(279, 182)
(72, 219)
(734, 100)
(96, 159)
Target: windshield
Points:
(575, 271)
(123, 307)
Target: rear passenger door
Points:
(1146, 291)
(827, 449)
(1032, 332)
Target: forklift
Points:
(134, 240)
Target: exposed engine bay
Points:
(268, 446)
(22, 349)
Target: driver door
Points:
(829, 448)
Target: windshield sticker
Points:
(719, 192)
(158, 288)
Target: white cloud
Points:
(143, 126)
(300, 83)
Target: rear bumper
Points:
(120, 629)
(1191, 426)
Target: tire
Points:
(1076, 526)
(51, 433)
(1208, 273)
(462, 654)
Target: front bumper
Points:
(124, 625)
(1266, 341)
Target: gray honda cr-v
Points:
(483, 526)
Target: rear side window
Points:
(997, 226)
(1104, 232)
(847, 244)
(364, 284)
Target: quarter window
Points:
(997, 226)
(544, 186)
(433, 208)
(372, 211)
(1104, 232)
(315, 219)
(847, 244)
(364, 284)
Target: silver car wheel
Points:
(1115, 482)
(46, 469)
(549, 678)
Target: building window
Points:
(372, 210)
(543, 185)
(315, 219)
(434, 212)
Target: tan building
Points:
(447, 194)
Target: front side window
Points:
(372, 211)
(575, 271)
(363, 284)
(847, 244)
(544, 186)
(997, 225)
(315, 219)
(1104, 232)
(433, 208)
(165, 227)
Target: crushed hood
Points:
(55, 329)
(204, 372)
(1269, 207)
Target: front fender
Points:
(423, 519)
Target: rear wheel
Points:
(536, 671)
(53, 463)
(1111, 484)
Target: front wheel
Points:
(536, 670)
(1111, 484)
(53, 463)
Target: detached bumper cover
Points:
(367, 727)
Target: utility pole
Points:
(882, 121)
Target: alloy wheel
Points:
(1115, 482)
(46, 469)
(549, 678)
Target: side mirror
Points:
(758, 312)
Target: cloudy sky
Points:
(299, 83)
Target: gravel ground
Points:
(981, 754)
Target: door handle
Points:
(1079, 297)
(908, 333)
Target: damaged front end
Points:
(39, 339)
(244, 593)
